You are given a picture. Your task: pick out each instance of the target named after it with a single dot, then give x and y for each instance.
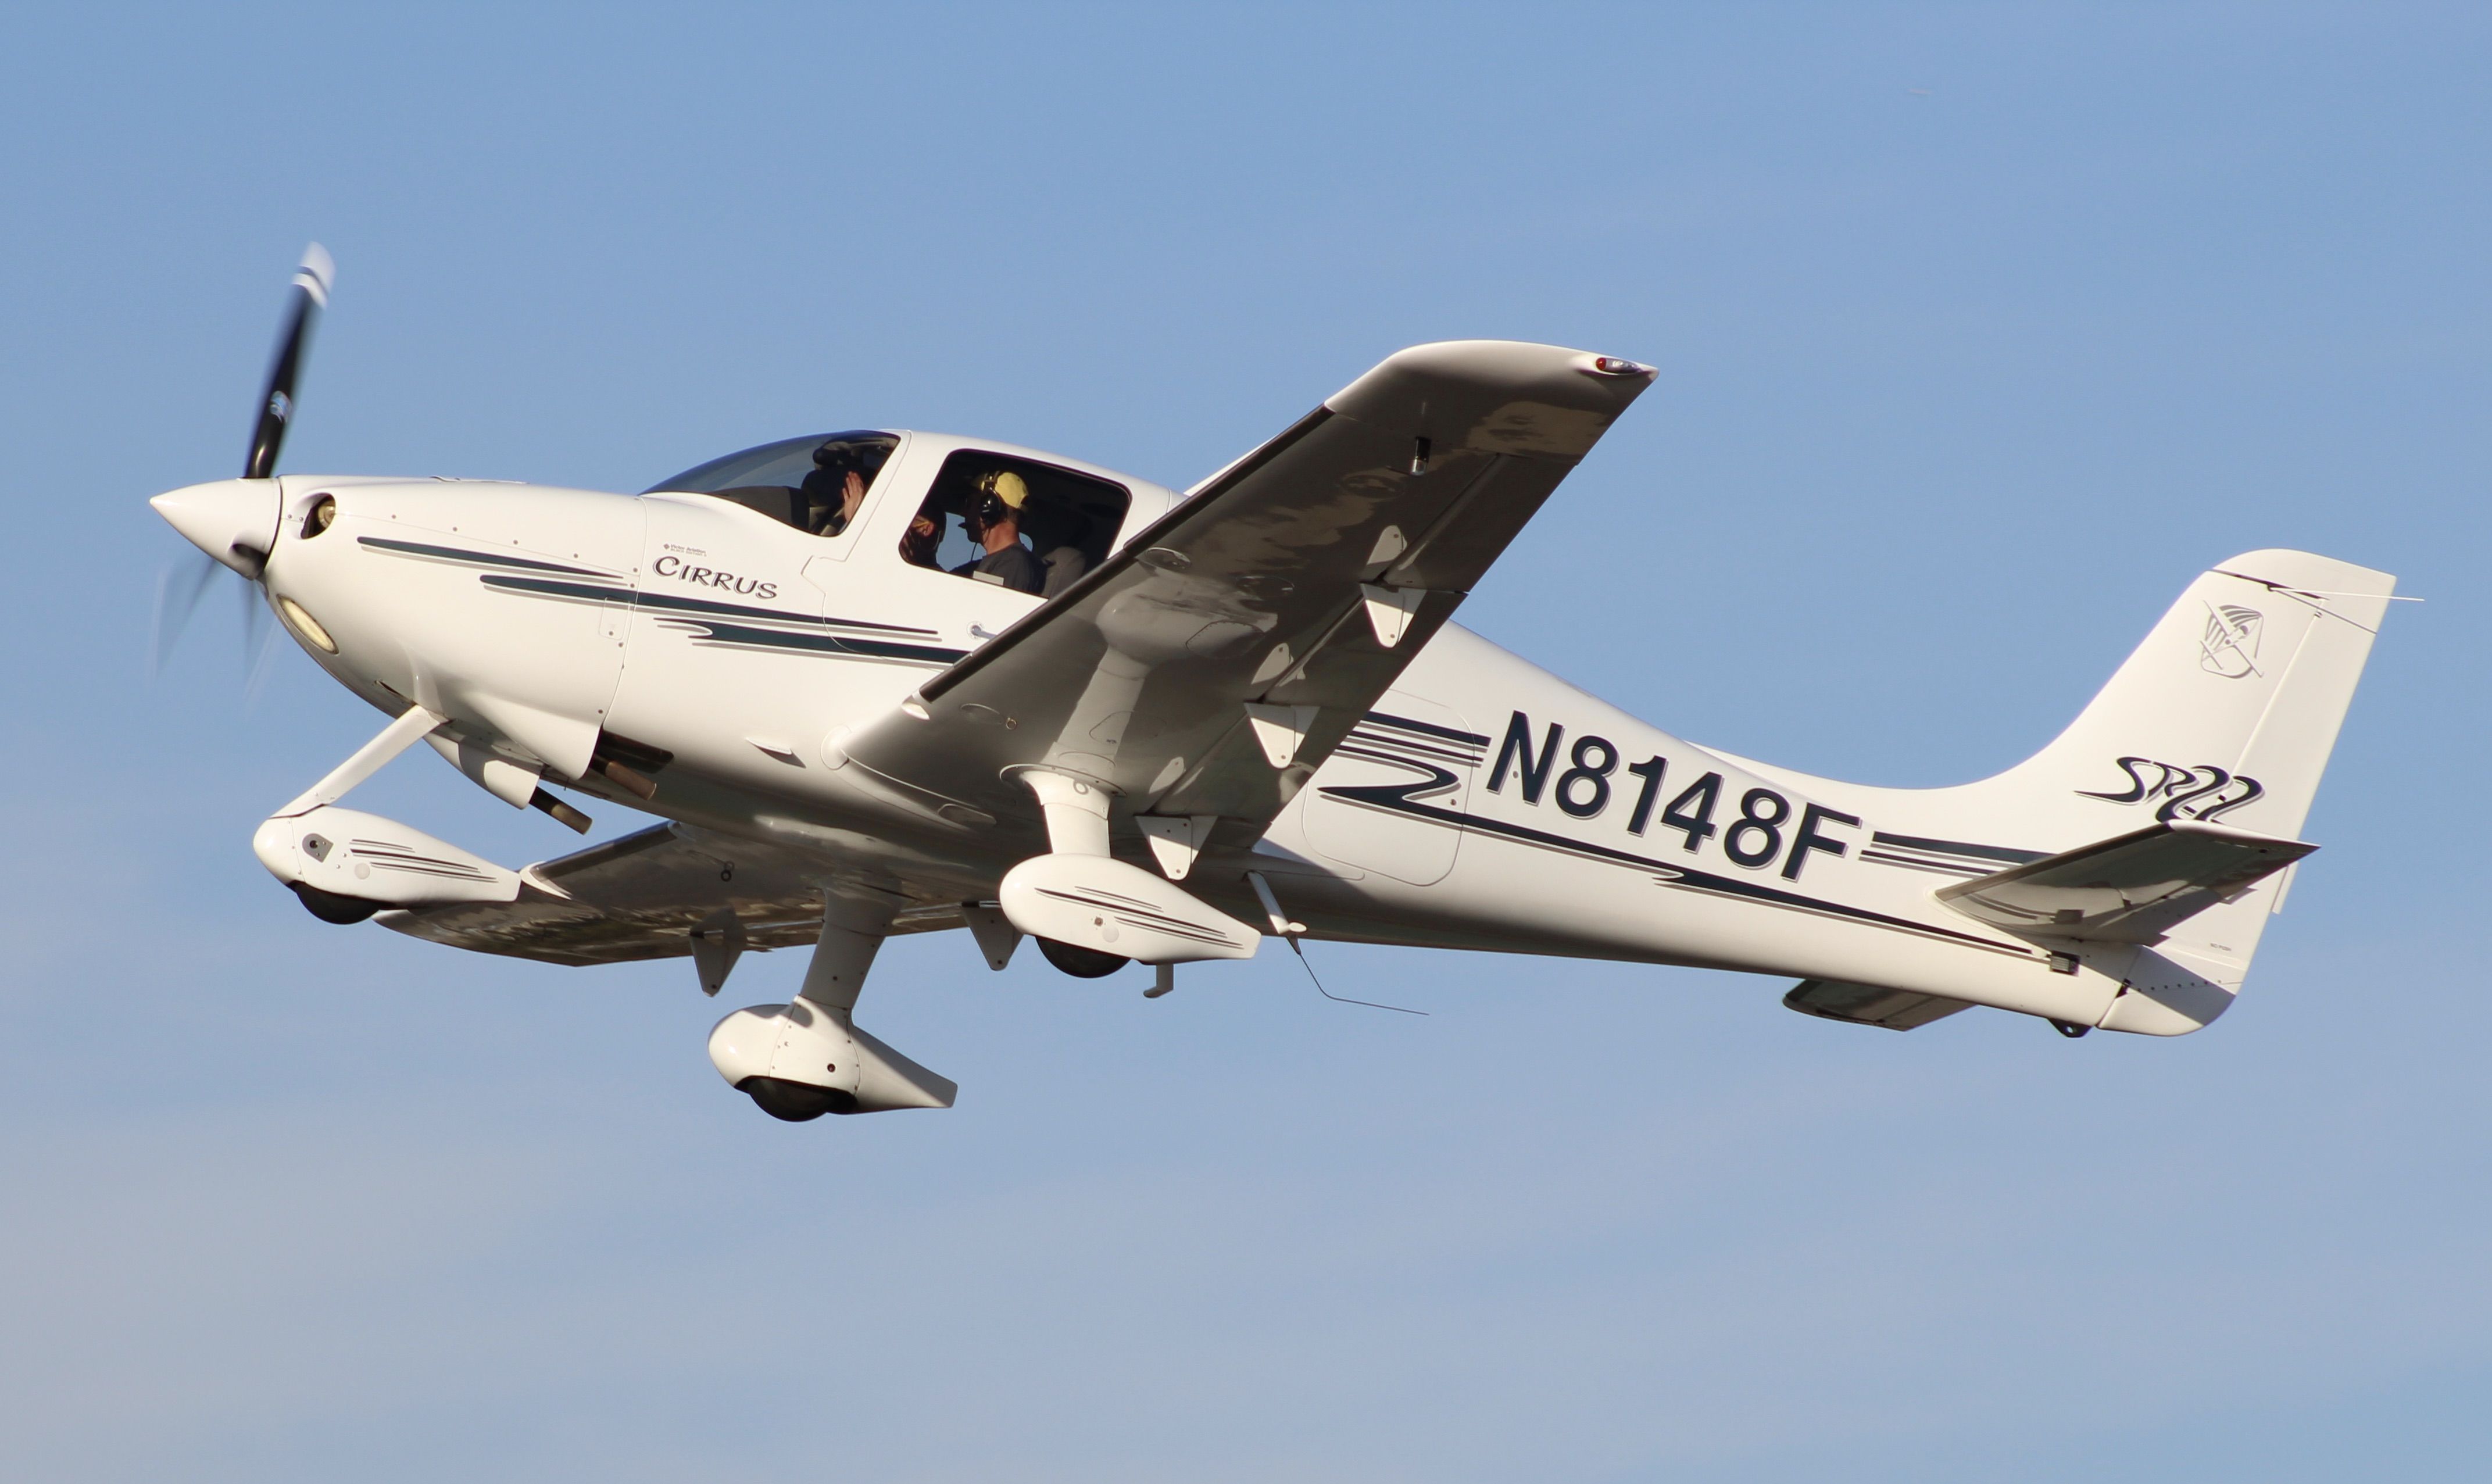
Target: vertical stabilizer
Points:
(2226, 712)
(2225, 715)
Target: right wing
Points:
(1206, 669)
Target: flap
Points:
(2132, 888)
(1291, 589)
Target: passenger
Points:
(925, 534)
(994, 522)
(834, 491)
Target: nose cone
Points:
(233, 519)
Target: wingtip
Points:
(317, 273)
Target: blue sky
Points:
(1981, 330)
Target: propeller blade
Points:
(177, 598)
(258, 643)
(310, 296)
(254, 618)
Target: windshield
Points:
(805, 482)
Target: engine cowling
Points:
(799, 1062)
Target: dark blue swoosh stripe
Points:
(479, 558)
(705, 613)
(744, 636)
(670, 604)
(1397, 798)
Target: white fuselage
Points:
(739, 649)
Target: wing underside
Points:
(644, 896)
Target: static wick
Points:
(1288, 931)
(1341, 999)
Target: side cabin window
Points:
(816, 484)
(1015, 522)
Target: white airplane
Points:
(1147, 727)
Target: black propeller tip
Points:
(313, 279)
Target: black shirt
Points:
(1012, 567)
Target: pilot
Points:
(834, 491)
(994, 522)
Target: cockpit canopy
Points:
(998, 517)
(803, 482)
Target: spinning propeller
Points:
(233, 521)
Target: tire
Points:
(791, 1102)
(329, 906)
(1081, 963)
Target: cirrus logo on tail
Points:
(2228, 647)
(2179, 792)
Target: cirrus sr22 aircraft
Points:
(1233, 713)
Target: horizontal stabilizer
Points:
(2132, 888)
(1866, 1004)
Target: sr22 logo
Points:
(1582, 790)
(2200, 793)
